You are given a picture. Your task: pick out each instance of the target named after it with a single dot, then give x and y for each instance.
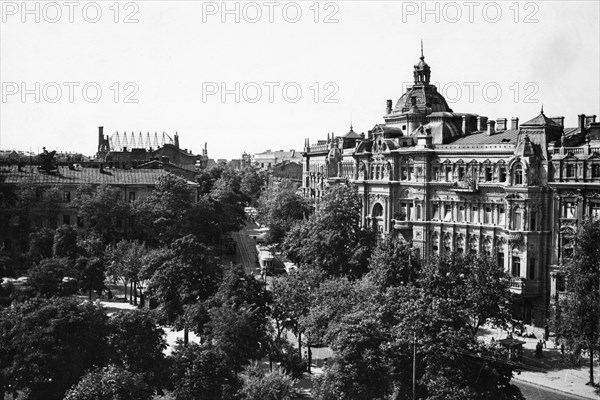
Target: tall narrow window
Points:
(487, 217)
(418, 216)
(448, 173)
(447, 213)
(67, 196)
(517, 220)
(461, 214)
(531, 269)
(131, 196)
(488, 174)
(461, 173)
(436, 212)
(569, 210)
(518, 170)
(502, 174)
(500, 259)
(595, 210)
(475, 215)
(435, 242)
(533, 220)
(516, 267)
(595, 170)
(570, 170)
(501, 216)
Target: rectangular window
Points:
(488, 174)
(447, 213)
(418, 212)
(436, 174)
(531, 269)
(461, 173)
(488, 215)
(570, 170)
(533, 221)
(448, 173)
(517, 220)
(595, 170)
(500, 259)
(131, 196)
(461, 214)
(475, 215)
(569, 210)
(501, 216)
(516, 267)
(502, 174)
(595, 210)
(436, 212)
(66, 219)
(67, 196)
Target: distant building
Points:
(129, 150)
(287, 170)
(457, 182)
(267, 159)
(132, 183)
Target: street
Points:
(533, 392)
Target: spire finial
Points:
(542, 110)
(350, 121)
(422, 56)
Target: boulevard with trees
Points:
(400, 326)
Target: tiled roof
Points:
(65, 176)
(481, 137)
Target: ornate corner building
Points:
(458, 182)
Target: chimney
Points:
(491, 128)
(388, 108)
(514, 123)
(501, 124)
(100, 135)
(589, 120)
(581, 122)
(176, 140)
(559, 120)
(482, 123)
(464, 124)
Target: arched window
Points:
(447, 243)
(473, 244)
(487, 246)
(516, 262)
(518, 174)
(435, 242)
(460, 244)
(377, 210)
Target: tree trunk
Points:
(186, 336)
(135, 303)
(125, 290)
(309, 355)
(592, 365)
(300, 344)
(130, 292)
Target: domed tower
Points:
(417, 102)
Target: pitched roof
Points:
(505, 137)
(541, 120)
(66, 176)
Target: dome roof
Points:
(426, 98)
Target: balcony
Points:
(514, 236)
(517, 285)
(401, 225)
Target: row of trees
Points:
(374, 302)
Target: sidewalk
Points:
(553, 370)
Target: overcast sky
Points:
(163, 65)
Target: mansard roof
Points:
(85, 175)
(481, 137)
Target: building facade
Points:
(458, 182)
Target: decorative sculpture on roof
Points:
(48, 161)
